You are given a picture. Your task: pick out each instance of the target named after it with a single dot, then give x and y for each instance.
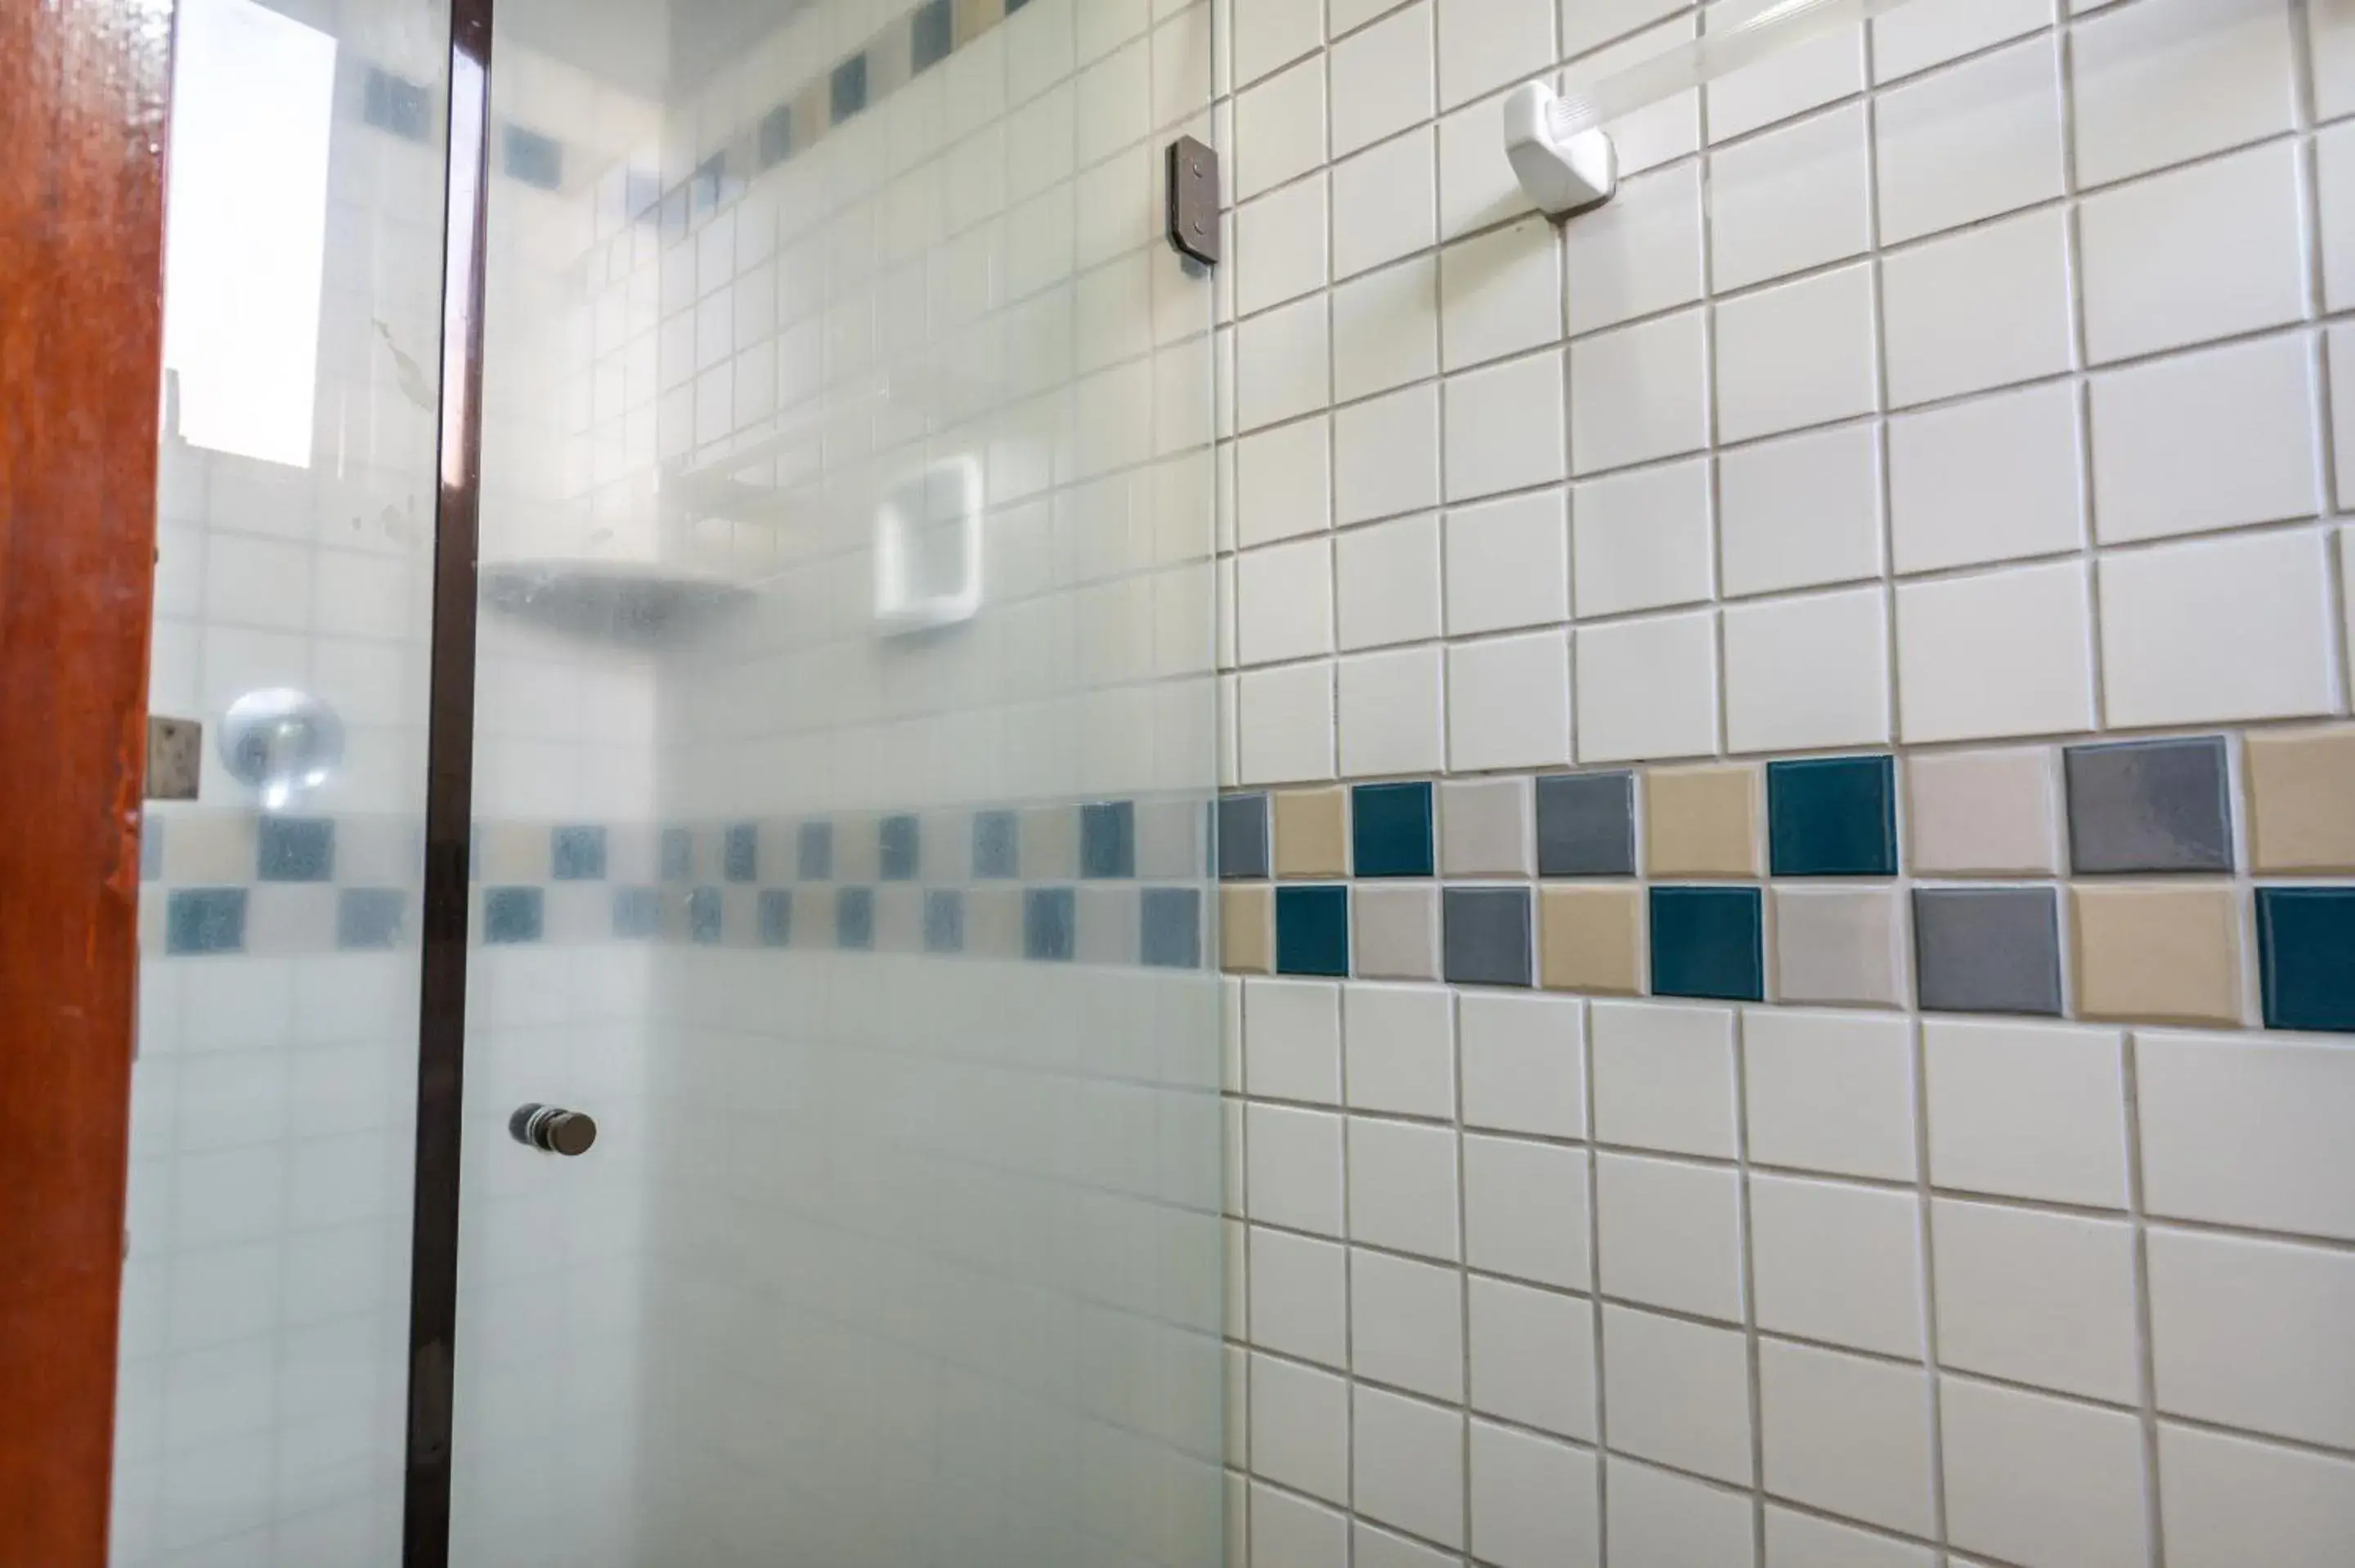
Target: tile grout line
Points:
(1594, 1288)
(2147, 1357)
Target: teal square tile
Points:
(898, 841)
(2305, 942)
(1389, 830)
(1312, 930)
(1049, 924)
(854, 918)
(204, 920)
(1709, 942)
(1833, 816)
(577, 853)
(295, 849)
(1108, 839)
(739, 853)
(512, 914)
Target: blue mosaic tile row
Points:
(915, 42)
(2132, 809)
(2135, 807)
(1992, 949)
(1155, 927)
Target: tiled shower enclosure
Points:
(1789, 855)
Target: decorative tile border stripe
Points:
(1103, 882)
(901, 50)
(1788, 879)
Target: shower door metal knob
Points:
(553, 1128)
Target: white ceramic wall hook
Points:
(1563, 169)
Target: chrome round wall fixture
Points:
(282, 742)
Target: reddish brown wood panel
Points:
(82, 86)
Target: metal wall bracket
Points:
(1193, 183)
(176, 758)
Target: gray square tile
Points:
(1987, 949)
(1486, 936)
(291, 918)
(1242, 836)
(2150, 806)
(1484, 827)
(370, 918)
(1172, 919)
(1110, 925)
(1398, 932)
(1586, 825)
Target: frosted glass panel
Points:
(265, 1299)
(845, 750)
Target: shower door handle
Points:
(553, 1130)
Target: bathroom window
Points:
(252, 98)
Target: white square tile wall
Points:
(1974, 382)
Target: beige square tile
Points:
(813, 110)
(777, 843)
(974, 18)
(1050, 846)
(513, 854)
(1247, 930)
(1840, 945)
(857, 850)
(898, 918)
(153, 930)
(1702, 821)
(209, 849)
(379, 851)
(1590, 939)
(739, 916)
(1984, 814)
(993, 922)
(1312, 833)
(2160, 955)
(889, 60)
(2302, 800)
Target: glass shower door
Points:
(844, 750)
(265, 1335)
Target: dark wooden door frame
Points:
(83, 97)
